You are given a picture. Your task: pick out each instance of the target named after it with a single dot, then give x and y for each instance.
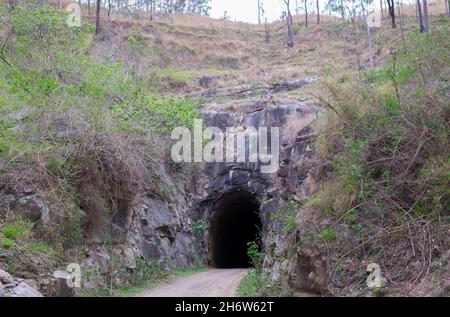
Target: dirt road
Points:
(212, 283)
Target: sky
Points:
(246, 10)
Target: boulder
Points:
(7, 201)
(6, 278)
(29, 189)
(129, 258)
(32, 208)
(206, 81)
(24, 290)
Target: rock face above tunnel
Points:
(292, 179)
(294, 123)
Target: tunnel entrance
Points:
(235, 222)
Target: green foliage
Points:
(73, 231)
(18, 229)
(6, 243)
(199, 227)
(52, 70)
(287, 216)
(4, 146)
(255, 284)
(328, 234)
(160, 115)
(40, 247)
(254, 254)
(387, 149)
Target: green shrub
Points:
(199, 227)
(328, 234)
(6, 243)
(19, 229)
(287, 216)
(40, 247)
(254, 254)
(255, 284)
(4, 146)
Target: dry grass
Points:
(387, 195)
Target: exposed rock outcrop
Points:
(296, 179)
(16, 287)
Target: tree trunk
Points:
(355, 40)
(259, 11)
(318, 11)
(425, 16)
(419, 11)
(109, 9)
(381, 9)
(97, 18)
(266, 26)
(152, 7)
(391, 9)
(369, 35)
(400, 14)
(290, 42)
(89, 7)
(306, 14)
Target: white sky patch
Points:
(247, 10)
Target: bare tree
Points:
(400, 15)
(425, 15)
(381, 9)
(419, 13)
(369, 35)
(97, 18)
(391, 10)
(306, 12)
(267, 30)
(290, 42)
(259, 11)
(318, 11)
(152, 8)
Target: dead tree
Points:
(259, 11)
(290, 42)
(306, 13)
(369, 34)
(318, 11)
(419, 13)
(391, 11)
(425, 16)
(97, 18)
(267, 30)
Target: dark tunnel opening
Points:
(235, 222)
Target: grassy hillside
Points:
(85, 120)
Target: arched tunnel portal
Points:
(234, 223)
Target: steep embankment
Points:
(86, 175)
